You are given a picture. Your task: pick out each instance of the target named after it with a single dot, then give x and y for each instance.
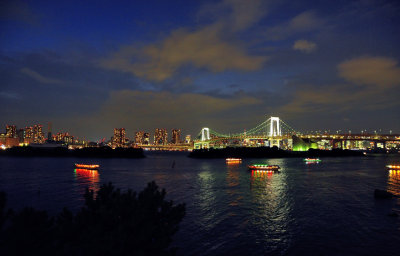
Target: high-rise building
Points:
(28, 134)
(139, 138)
(160, 137)
(34, 134)
(146, 138)
(119, 137)
(176, 136)
(38, 135)
(11, 131)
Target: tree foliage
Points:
(111, 223)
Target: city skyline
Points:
(223, 64)
(37, 134)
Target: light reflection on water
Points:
(87, 178)
(206, 199)
(394, 181)
(271, 214)
(311, 209)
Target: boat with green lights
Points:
(312, 160)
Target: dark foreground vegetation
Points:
(103, 152)
(111, 223)
(267, 152)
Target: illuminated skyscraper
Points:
(119, 137)
(146, 138)
(28, 134)
(160, 137)
(139, 138)
(176, 136)
(11, 131)
(38, 135)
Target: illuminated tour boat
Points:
(393, 167)
(264, 167)
(233, 160)
(87, 166)
(312, 160)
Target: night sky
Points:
(90, 66)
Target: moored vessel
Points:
(233, 160)
(312, 160)
(87, 166)
(264, 167)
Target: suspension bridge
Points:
(275, 132)
(270, 133)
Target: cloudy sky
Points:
(90, 66)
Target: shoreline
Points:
(267, 152)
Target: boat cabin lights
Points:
(233, 160)
(263, 167)
(87, 166)
(312, 160)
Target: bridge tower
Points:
(205, 134)
(275, 131)
(275, 127)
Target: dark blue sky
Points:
(90, 66)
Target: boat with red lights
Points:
(264, 167)
(87, 166)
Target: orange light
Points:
(87, 166)
(233, 160)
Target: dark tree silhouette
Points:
(111, 223)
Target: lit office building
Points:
(176, 136)
(146, 138)
(69, 139)
(11, 131)
(139, 138)
(160, 137)
(64, 137)
(119, 137)
(60, 136)
(38, 135)
(28, 134)
(34, 134)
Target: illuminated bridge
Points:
(268, 133)
(275, 132)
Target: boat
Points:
(87, 166)
(393, 167)
(264, 167)
(312, 160)
(233, 160)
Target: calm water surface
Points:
(316, 209)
